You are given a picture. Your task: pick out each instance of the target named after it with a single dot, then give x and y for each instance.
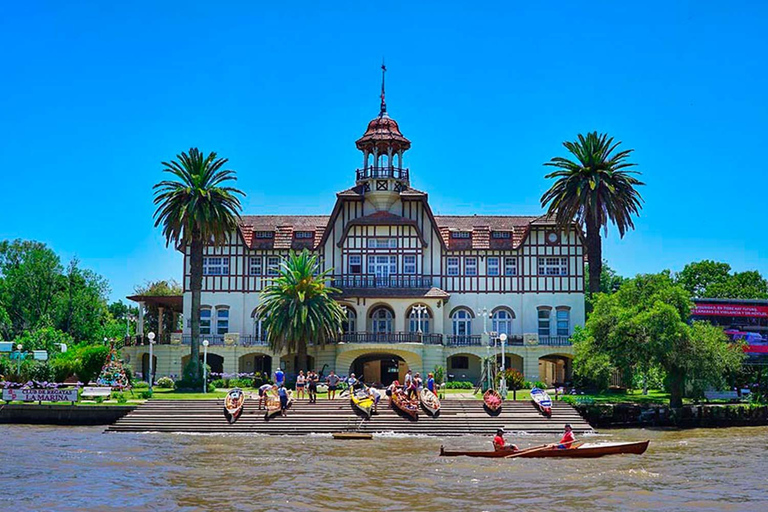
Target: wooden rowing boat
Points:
(272, 405)
(582, 451)
(542, 401)
(400, 401)
(233, 404)
(362, 401)
(429, 402)
(492, 401)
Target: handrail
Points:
(463, 340)
(373, 281)
(397, 173)
(555, 341)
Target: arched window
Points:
(349, 323)
(382, 320)
(418, 320)
(502, 321)
(462, 323)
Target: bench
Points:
(722, 395)
(93, 392)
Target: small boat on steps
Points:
(492, 401)
(429, 402)
(362, 401)
(582, 451)
(272, 405)
(541, 400)
(233, 404)
(400, 401)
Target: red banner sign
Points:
(754, 311)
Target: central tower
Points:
(383, 176)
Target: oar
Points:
(529, 450)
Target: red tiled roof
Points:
(283, 227)
(481, 228)
(383, 130)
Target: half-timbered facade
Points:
(420, 290)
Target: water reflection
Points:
(55, 468)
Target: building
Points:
(741, 319)
(420, 290)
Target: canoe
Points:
(272, 405)
(362, 402)
(352, 435)
(542, 401)
(400, 401)
(233, 404)
(492, 400)
(429, 402)
(583, 451)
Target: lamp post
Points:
(18, 361)
(419, 309)
(151, 337)
(205, 365)
(503, 383)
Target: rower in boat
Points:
(568, 438)
(499, 444)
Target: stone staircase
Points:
(457, 417)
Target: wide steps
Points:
(456, 417)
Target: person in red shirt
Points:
(500, 445)
(568, 438)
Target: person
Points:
(263, 394)
(300, 383)
(283, 394)
(392, 388)
(312, 379)
(500, 445)
(279, 377)
(376, 396)
(568, 438)
(418, 382)
(407, 380)
(351, 382)
(431, 382)
(410, 387)
(332, 380)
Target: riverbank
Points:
(60, 414)
(624, 415)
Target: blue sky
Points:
(93, 95)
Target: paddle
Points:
(529, 450)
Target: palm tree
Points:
(297, 307)
(593, 190)
(195, 209)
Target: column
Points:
(160, 311)
(140, 326)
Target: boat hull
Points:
(403, 404)
(541, 400)
(363, 404)
(233, 405)
(585, 451)
(429, 402)
(492, 401)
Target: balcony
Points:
(383, 173)
(390, 337)
(372, 281)
(555, 341)
(468, 340)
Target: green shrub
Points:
(220, 383)
(514, 379)
(260, 379)
(165, 383)
(241, 383)
(141, 385)
(439, 374)
(99, 399)
(191, 380)
(119, 396)
(92, 360)
(540, 385)
(144, 395)
(459, 384)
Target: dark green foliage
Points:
(192, 378)
(714, 280)
(164, 288)
(459, 384)
(92, 360)
(514, 378)
(165, 383)
(439, 374)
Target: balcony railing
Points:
(382, 173)
(253, 341)
(372, 281)
(213, 339)
(391, 337)
(453, 340)
(143, 339)
(555, 341)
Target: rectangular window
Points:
(273, 265)
(543, 322)
(355, 264)
(305, 234)
(510, 266)
(460, 363)
(553, 266)
(409, 264)
(453, 266)
(493, 265)
(216, 266)
(205, 321)
(222, 320)
(563, 321)
(265, 234)
(470, 266)
(254, 268)
(460, 234)
(382, 243)
(501, 234)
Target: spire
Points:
(383, 103)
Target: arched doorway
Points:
(511, 361)
(379, 368)
(255, 363)
(145, 367)
(555, 369)
(215, 361)
(464, 367)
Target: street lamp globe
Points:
(206, 343)
(19, 347)
(503, 337)
(151, 337)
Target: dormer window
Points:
(265, 234)
(460, 234)
(501, 234)
(305, 234)
(382, 243)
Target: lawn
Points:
(654, 396)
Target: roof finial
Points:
(383, 72)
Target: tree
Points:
(197, 208)
(593, 190)
(161, 288)
(644, 326)
(741, 285)
(714, 280)
(81, 303)
(298, 308)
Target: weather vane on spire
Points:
(383, 72)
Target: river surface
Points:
(82, 469)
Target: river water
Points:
(82, 469)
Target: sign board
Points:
(40, 395)
(709, 309)
(6, 346)
(40, 355)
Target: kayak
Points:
(429, 402)
(492, 401)
(542, 401)
(233, 404)
(400, 401)
(583, 451)
(363, 402)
